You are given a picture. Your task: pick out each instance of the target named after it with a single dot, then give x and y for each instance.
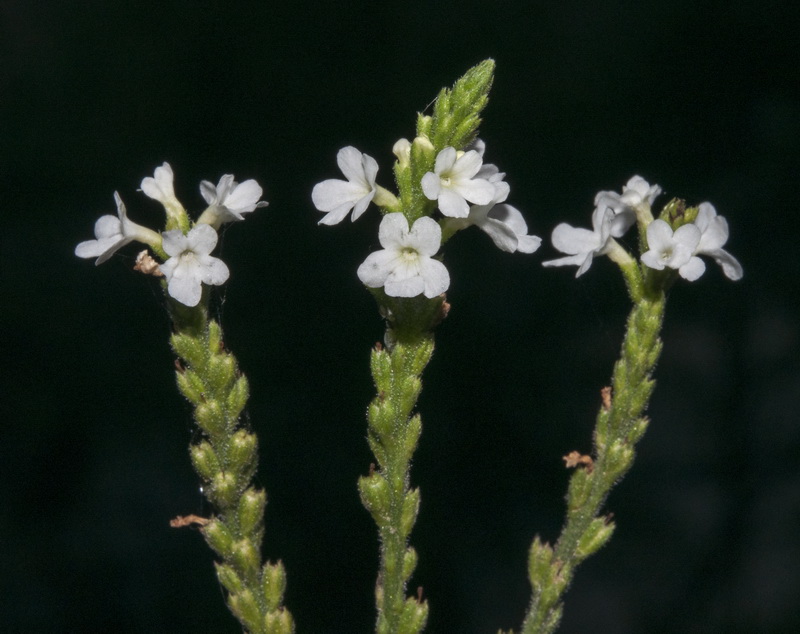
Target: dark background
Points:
(696, 96)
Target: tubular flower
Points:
(160, 187)
(114, 233)
(581, 244)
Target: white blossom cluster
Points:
(615, 213)
(190, 263)
(467, 192)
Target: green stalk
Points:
(620, 425)
(226, 459)
(393, 433)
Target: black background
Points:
(696, 96)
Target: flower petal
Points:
(445, 160)
(476, 190)
(376, 268)
(393, 231)
(425, 236)
(730, 265)
(435, 276)
(453, 205)
(431, 186)
(693, 269)
(202, 239)
(332, 194)
(503, 236)
(349, 161)
(574, 240)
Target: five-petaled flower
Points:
(503, 223)
(190, 264)
(636, 198)
(229, 200)
(338, 197)
(581, 244)
(713, 236)
(455, 181)
(405, 267)
(673, 249)
(114, 233)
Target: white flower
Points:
(713, 236)
(504, 224)
(159, 187)
(673, 249)
(488, 171)
(114, 233)
(454, 181)
(405, 267)
(190, 264)
(581, 244)
(338, 197)
(229, 200)
(637, 195)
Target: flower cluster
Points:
(188, 263)
(676, 249)
(467, 192)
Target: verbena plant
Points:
(443, 186)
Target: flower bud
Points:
(221, 371)
(188, 348)
(205, 461)
(219, 538)
(243, 452)
(595, 537)
(279, 622)
(540, 559)
(414, 616)
(409, 562)
(245, 607)
(274, 583)
(237, 398)
(410, 511)
(210, 418)
(229, 579)
(191, 386)
(245, 555)
(251, 510)
(374, 492)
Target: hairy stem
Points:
(226, 459)
(620, 425)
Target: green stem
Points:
(620, 425)
(226, 459)
(393, 434)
